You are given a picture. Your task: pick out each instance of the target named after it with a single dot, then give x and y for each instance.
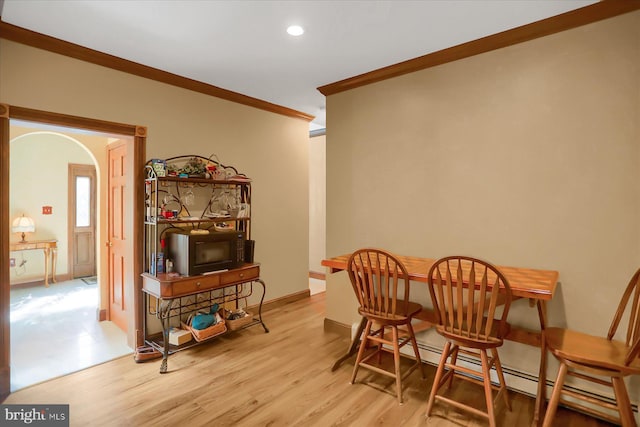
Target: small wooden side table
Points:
(50, 249)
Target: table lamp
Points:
(23, 224)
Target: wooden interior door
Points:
(117, 239)
(82, 220)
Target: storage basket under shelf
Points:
(220, 327)
(235, 324)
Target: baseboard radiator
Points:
(517, 381)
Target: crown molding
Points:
(52, 44)
(317, 132)
(555, 24)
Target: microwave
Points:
(195, 254)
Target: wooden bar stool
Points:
(381, 284)
(465, 293)
(601, 360)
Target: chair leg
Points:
(488, 391)
(438, 377)
(382, 330)
(503, 384)
(454, 361)
(555, 396)
(396, 362)
(363, 345)
(623, 402)
(414, 343)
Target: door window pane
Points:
(83, 198)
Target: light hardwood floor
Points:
(252, 378)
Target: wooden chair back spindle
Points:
(380, 282)
(632, 334)
(467, 311)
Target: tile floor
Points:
(54, 332)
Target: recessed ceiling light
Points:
(295, 30)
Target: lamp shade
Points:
(23, 224)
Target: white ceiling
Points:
(242, 46)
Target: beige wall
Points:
(271, 149)
(317, 202)
(525, 156)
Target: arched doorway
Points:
(138, 138)
(55, 329)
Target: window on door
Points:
(83, 201)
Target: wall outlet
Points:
(12, 262)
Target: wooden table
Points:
(50, 249)
(536, 285)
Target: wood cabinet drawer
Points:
(172, 288)
(195, 285)
(169, 287)
(240, 275)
